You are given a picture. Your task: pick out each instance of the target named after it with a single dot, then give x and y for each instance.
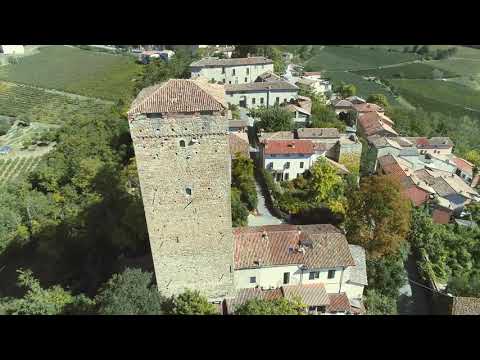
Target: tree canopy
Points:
(274, 118)
(280, 306)
(189, 303)
(379, 304)
(379, 99)
(378, 216)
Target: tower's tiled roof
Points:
(180, 95)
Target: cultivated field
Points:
(355, 58)
(77, 71)
(17, 167)
(440, 96)
(25, 102)
(408, 71)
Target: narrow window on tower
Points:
(182, 143)
(188, 191)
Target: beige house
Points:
(312, 261)
(231, 71)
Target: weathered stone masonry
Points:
(184, 168)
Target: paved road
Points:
(264, 216)
(414, 299)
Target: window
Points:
(233, 72)
(331, 274)
(182, 143)
(279, 176)
(248, 71)
(188, 191)
(253, 279)
(286, 176)
(261, 100)
(287, 165)
(213, 80)
(253, 101)
(223, 70)
(223, 81)
(286, 278)
(301, 164)
(229, 82)
(246, 80)
(277, 100)
(314, 275)
(270, 165)
(285, 100)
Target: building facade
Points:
(180, 137)
(231, 71)
(257, 94)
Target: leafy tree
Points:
(350, 117)
(386, 275)
(271, 307)
(474, 157)
(327, 187)
(474, 209)
(129, 293)
(379, 304)
(40, 301)
(239, 210)
(189, 303)
(378, 216)
(274, 118)
(379, 99)
(465, 284)
(346, 90)
(242, 51)
(243, 179)
(424, 50)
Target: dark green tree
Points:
(189, 303)
(274, 118)
(271, 307)
(377, 303)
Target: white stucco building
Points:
(231, 71)
(318, 86)
(12, 49)
(287, 159)
(312, 261)
(269, 93)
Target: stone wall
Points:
(184, 169)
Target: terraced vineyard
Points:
(38, 105)
(17, 168)
(83, 72)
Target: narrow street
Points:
(264, 216)
(414, 299)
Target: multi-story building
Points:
(255, 94)
(231, 71)
(180, 135)
(314, 262)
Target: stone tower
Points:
(179, 132)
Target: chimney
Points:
(264, 235)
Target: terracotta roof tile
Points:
(463, 165)
(441, 216)
(325, 246)
(319, 133)
(288, 147)
(338, 303)
(367, 108)
(373, 123)
(180, 95)
(213, 62)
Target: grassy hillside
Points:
(355, 58)
(364, 87)
(39, 105)
(439, 96)
(83, 72)
(408, 71)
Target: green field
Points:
(38, 105)
(77, 71)
(439, 96)
(355, 58)
(408, 71)
(364, 87)
(458, 66)
(17, 168)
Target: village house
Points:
(314, 75)
(317, 86)
(313, 262)
(231, 71)
(466, 170)
(255, 94)
(375, 123)
(238, 125)
(147, 56)
(301, 107)
(287, 159)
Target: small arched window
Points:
(188, 191)
(182, 143)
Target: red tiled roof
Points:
(391, 167)
(372, 123)
(367, 107)
(278, 245)
(463, 165)
(417, 195)
(441, 216)
(288, 147)
(179, 96)
(338, 302)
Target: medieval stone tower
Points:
(179, 132)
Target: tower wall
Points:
(186, 195)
